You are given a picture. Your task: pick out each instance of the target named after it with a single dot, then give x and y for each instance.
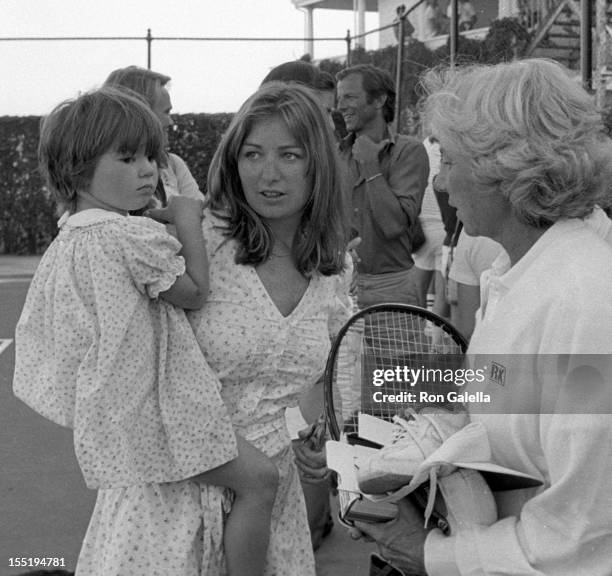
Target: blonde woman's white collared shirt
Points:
(552, 304)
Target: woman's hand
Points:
(352, 250)
(311, 462)
(400, 541)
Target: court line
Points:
(4, 344)
(24, 280)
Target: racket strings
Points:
(378, 358)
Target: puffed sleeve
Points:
(150, 254)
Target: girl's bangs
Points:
(134, 131)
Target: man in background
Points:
(174, 178)
(386, 176)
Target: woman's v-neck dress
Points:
(265, 361)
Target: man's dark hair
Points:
(325, 81)
(294, 71)
(376, 82)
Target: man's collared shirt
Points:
(384, 208)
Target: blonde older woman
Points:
(528, 167)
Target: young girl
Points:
(104, 347)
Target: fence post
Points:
(454, 32)
(149, 40)
(401, 16)
(601, 42)
(348, 48)
(586, 44)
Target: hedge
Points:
(27, 212)
(27, 219)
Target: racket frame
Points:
(428, 315)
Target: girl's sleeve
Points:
(46, 363)
(151, 411)
(125, 372)
(151, 254)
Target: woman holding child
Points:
(104, 346)
(275, 241)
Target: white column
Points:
(361, 10)
(308, 31)
(601, 52)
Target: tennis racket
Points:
(370, 360)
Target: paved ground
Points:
(17, 266)
(44, 505)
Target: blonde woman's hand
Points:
(400, 541)
(310, 460)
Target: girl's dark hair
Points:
(79, 131)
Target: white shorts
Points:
(429, 256)
(444, 261)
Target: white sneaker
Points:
(467, 499)
(393, 466)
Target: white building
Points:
(555, 25)
(486, 11)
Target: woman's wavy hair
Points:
(320, 241)
(529, 130)
(78, 131)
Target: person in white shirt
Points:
(529, 168)
(428, 258)
(466, 14)
(472, 257)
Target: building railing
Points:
(532, 13)
(149, 39)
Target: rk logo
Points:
(497, 373)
